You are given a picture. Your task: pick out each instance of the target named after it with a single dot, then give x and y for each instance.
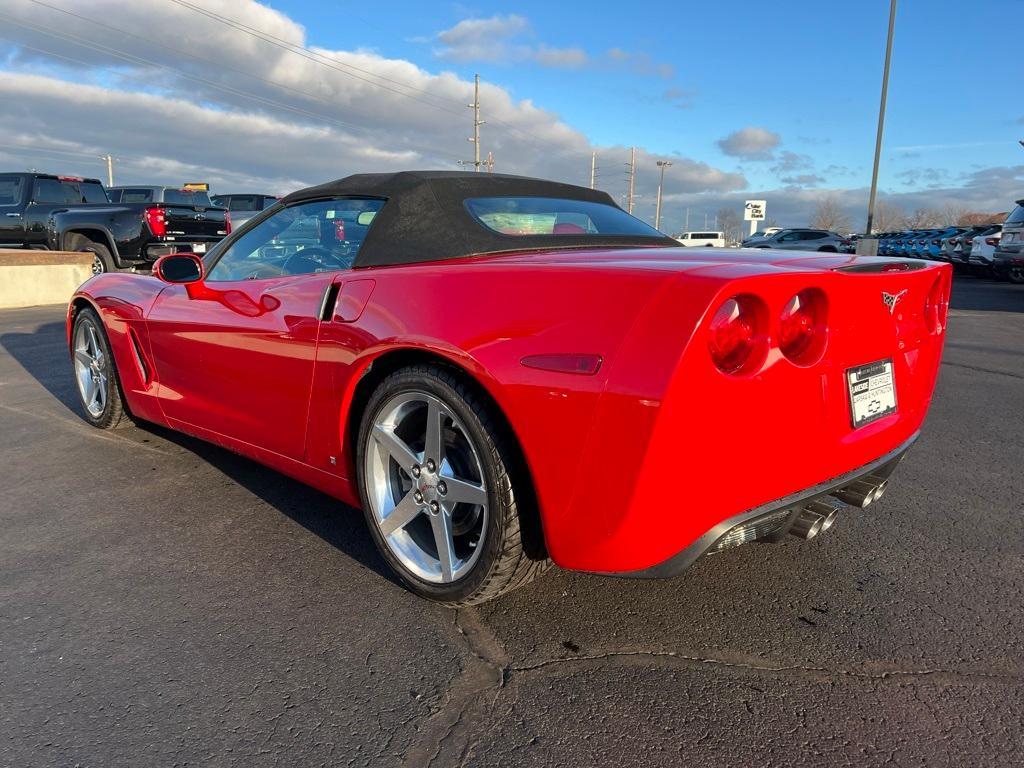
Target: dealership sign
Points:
(753, 210)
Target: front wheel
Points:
(439, 488)
(95, 372)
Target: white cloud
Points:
(750, 143)
(217, 103)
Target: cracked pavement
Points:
(164, 602)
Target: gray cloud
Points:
(803, 180)
(789, 162)
(750, 143)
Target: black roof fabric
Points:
(425, 218)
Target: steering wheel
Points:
(310, 259)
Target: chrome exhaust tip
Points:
(859, 493)
(817, 517)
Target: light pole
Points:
(881, 118)
(663, 164)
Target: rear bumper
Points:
(880, 468)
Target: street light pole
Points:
(881, 118)
(663, 164)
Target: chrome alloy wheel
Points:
(425, 484)
(91, 369)
(97, 265)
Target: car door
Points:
(787, 241)
(235, 353)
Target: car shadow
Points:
(972, 293)
(43, 355)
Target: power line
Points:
(342, 68)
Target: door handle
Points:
(13, 215)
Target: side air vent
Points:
(140, 359)
(330, 299)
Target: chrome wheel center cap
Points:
(427, 484)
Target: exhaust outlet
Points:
(817, 517)
(860, 493)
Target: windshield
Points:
(524, 216)
(10, 189)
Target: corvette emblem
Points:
(890, 299)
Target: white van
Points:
(703, 239)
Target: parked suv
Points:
(1008, 259)
(801, 240)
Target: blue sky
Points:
(808, 71)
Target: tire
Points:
(88, 338)
(102, 260)
(827, 249)
(1015, 275)
(479, 457)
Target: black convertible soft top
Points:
(425, 218)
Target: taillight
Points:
(227, 222)
(954, 241)
(737, 339)
(802, 327)
(936, 306)
(157, 221)
(935, 242)
(993, 241)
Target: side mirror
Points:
(179, 268)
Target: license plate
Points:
(199, 248)
(872, 392)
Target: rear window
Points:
(705, 235)
(136, 196)
(92, 192)
(187, 197)
(1016, 216)
(525, 216)
(10, 189)
(53, 191)
(243, 203)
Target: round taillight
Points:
(802, 327)
(736, 335)
(936, 307)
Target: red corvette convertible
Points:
(503, 372)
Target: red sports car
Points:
(504, 372)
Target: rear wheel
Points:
(102, 260)
(1015, 275)
(438, 488)
(95, 372)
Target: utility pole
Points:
(705, 219)
(881, 118)
(662, 164)
(477, 122)
(632, 180)
(687, 229)
(110, 168)
(490, 162)
(593, 169)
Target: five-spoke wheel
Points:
(440, 487)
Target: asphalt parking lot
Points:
(164, 602)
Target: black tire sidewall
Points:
(101, 252)
(426, 380)
(112, 408)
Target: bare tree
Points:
(924, 218)
(952, 213)
(975, 218)
(889, 217)
(829, 214)
(730, 223)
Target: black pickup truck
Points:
(67, 213)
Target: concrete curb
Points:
(33, 278)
